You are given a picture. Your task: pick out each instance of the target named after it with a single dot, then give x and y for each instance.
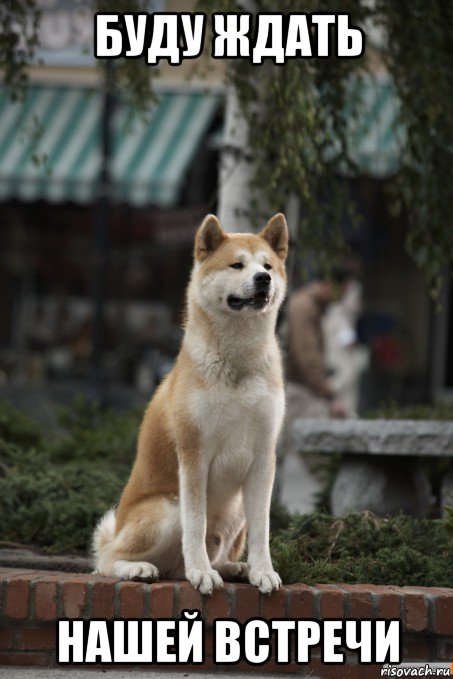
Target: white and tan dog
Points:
(206, 452)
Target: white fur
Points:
(103, 537)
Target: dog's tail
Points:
(102, 542)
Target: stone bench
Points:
(380, 469)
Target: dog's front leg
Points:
(193, 488)
(257, 501)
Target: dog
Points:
(205, 463)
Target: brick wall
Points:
(31, 601)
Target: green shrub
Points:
(90, 432)
(361, 547)
(16, 427)
(54, 506)
(53, 490)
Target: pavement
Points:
(86, 673)
(17, 556)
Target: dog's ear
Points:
(276, 234)
(208, 238)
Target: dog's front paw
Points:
(204, 580)
(266, 580)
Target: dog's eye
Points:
(237, 265)
(268, 267)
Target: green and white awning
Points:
(50, 145)
(50, 142)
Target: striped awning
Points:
(50, 145)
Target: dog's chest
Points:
(234, 423)
(223, 412)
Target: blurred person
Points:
(309, 391)
(346, 359)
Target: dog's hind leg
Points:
(146, 542)
(238, 545)
(232, 569)
(135, 570)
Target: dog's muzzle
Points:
(260, 298)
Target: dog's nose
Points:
(262, 279)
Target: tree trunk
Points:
(236, 169)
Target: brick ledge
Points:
(31, 601)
